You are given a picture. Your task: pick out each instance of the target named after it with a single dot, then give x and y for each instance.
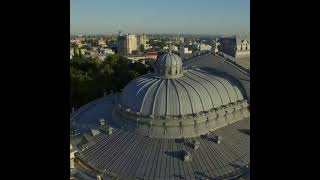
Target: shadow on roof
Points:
(245, 131)
(174, 154)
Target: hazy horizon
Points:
(204, 17)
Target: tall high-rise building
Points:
(121, 45)
(126, 44)
(132, 44)
(142, 40)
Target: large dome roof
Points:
(193, 93)
(175, 103)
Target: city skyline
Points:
(214, 17)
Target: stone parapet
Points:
(191, 125)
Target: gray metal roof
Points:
(168, 66)
(217, 65)
(169, 59)
(194, 92)
(129, 156)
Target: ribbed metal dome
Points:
(176, 103)
(169, 59)
(168, 66)
(194, 92)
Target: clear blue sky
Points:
(160, 16)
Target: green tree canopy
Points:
(142, 48)
(90, 79)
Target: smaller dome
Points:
(169, 66)
(169, 59)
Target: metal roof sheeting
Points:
(194, 92)
(128, 155)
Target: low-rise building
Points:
(235, 46)
(204, 47)
(151, 54)
(108, 51)
(173, 48)
(186, 50)
(179, 39)
(102, 42)
(136, 57)
(105, 51)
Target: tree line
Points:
(91, 78)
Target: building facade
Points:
(243, 48)
(235, 46)
(204, 47)
(151, 55)
(122, 45)
(179, 39)
(132, 43)
(126, 44)
(142, 41)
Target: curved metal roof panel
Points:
(194, 92)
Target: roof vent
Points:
(186, 156)
(218, 139)
(196, 144)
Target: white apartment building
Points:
(173, 48)
(132, 43)
(108, 51)
(142, 40)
